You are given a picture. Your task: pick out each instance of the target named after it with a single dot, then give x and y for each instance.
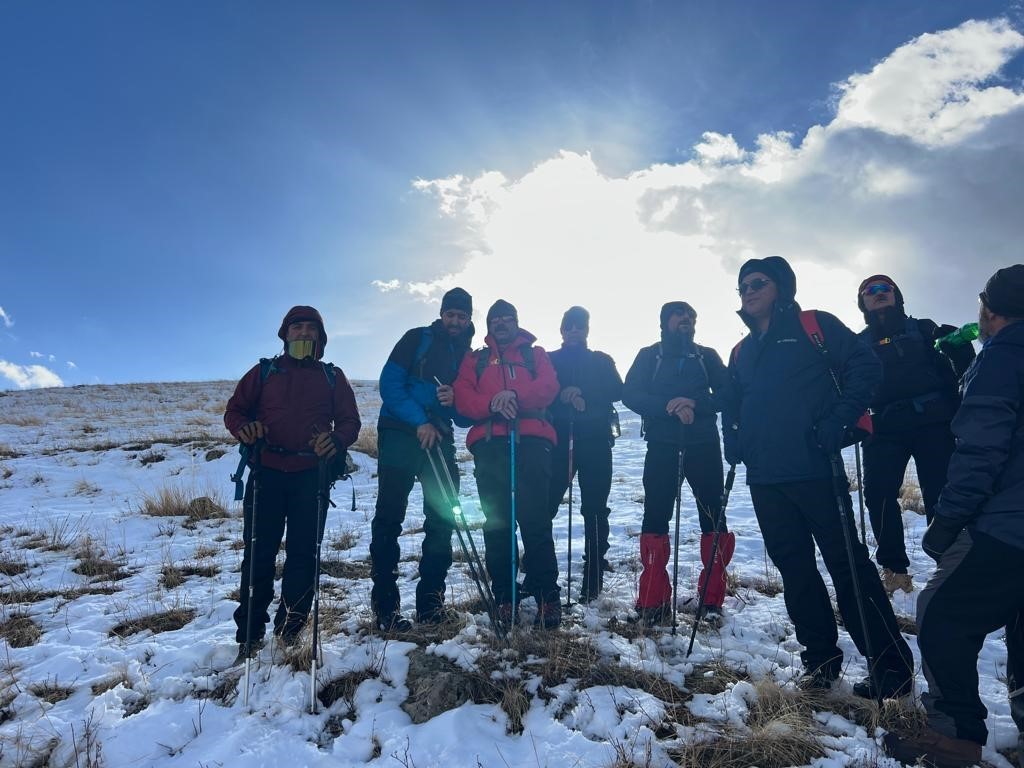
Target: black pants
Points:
(977, 588)
(533, 518)
(885, 463)
(592, 461)
(401, 463)
(285, 499)
(793, 518)
(702, 469)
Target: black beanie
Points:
(577, 315)
(500, 308)
(675, 308)
(778, 269)
(878, 279)
(1004, 292)
(458, 299)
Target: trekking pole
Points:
(512, 435)
(568, 560)
(860, 496)
(729, 479)
(476, 568)
(838, 478)
(675, 550)
(323, 498)
(257, 463)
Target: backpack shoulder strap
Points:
(330, 372)
(809, 322)
(528, 360)
(736, 351)
(419, 359)
(483, 357)
(657, 361)
(268, 365)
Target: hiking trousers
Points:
(286, 500)
(592, 464)
(793, 518)
(977, 588)
(533, 517)
(886, 456)
(401, 463)
(702, 470)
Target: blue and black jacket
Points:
(781, 389)
(407, 386)
(985, 485)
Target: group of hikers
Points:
(796, 390)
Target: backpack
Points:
(809, 322)
(697, 355)
(419, 360)
(268, 365)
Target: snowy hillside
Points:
(119, 556)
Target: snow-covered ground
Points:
(117, 624)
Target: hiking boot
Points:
(820, 679)
(507, 615)
(393, 623)
(933, 749)
(549, 616)
(247, 651)
(436, 616)
(893, 687)
(892, 581)
(713, 616)
(606, 566)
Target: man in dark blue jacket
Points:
(785, 419)
(977, 539)
(416, 417)
(676, 386)
(912, 409)
(589, 385)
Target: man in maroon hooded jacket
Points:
(299, 410)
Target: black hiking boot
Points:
(659, 615)
(931, 748)
(713, 616)
(247, 651)
(893, 687)
(393, 624)
(549, 615)
(820, 679)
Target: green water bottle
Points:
(965, 334)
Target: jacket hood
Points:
(297, 314)
(778, 269)
(525, 338)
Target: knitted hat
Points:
(675, 308)
(1004, 292)
(501, 308)
(577, 316)
(458, 299)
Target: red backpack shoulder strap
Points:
(809, 321)
(736, 351)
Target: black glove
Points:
(939, 537)
(731, 445)
(830, 433)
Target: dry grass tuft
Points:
(767, 586)
(94, 563)
(345, 569)
(110, 683)
(10, 566)
(84, 488)
(172, 501)
(6, 452)
(162, 621)
(51, 691)
(367, 441)
(343, 540)
(344, 688)
(20, 631)
(911, 499)
(5, 472)
(173, 576)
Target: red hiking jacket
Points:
(293, 400)
(506, 371)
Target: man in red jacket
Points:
(301, 410)
(506, 388)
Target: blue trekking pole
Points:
(512, 436)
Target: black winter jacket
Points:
(985, 486)
(685, 370)
(600, 385)
(781, 389)
(919, 384)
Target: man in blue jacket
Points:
(416, 417)
(977, 538)
(786, 420)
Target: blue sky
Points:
(176, 175)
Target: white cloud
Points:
(918, 176)
(386, 287)
(71, 365)
(29, 376)
(6, 319)
(937, 88)
(36, 354)
(52, 358)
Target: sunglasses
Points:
(753, 286)
(506, 319)
(575, 325)
(876, 288)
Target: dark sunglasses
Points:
(575, 325)
(753, 286)
(876, 288)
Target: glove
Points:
(829, 433)
(939, 537)
(731, 445)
